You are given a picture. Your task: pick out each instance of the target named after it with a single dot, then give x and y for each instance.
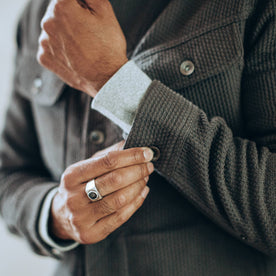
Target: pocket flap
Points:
(209, 54)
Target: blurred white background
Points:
(15, 256)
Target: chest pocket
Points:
(210, 52)
(204, 68)
(45, 92)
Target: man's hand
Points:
(120, 177)
(82, 47)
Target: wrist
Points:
(106, 77)
(55, 228)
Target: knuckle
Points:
(70, 204)
(45, 59)
(115, 178)
(144, 170)
(90, 237)
(109, 161)
(47, 25)
(138, 156)
(58, 9)
(138, 203)
(41, 58)
(142, 182)
(107, 230)
(119, 201)
(83, 168)
(44, 44)
(66, 177)
(84, 237)
(121, 219)
(104, 207)
(102, 185)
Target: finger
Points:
(86, 170)
(47, 50)
(49, 26)
(49, 12)
(95, 5)
(84, 5)
(115, 201)
(121, 178)
(47, 45)
(117, 147)
(109, 224)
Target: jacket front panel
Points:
(168, 229)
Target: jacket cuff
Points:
(120, 97)
(163, 121)
(43, 227)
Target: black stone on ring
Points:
(92, 191)
(92, 195)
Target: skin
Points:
(121, 178)
(85, 47)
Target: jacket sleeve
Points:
(232, 180)
(24, 180)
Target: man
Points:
(192, 85)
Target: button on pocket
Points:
(96, 137)
(36, 87)
(187, 68)
(194, 58)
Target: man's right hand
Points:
(120, 176)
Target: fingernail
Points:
(150, 167)
(148, 153)
(146, 179)
(145, 192)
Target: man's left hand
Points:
(84, 47)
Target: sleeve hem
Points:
(163, 109)
(43, 226)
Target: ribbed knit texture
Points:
(225, 176)
(211, 208)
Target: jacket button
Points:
(37, 84)
(96, 137)
(156, 153)
(187, 68)
(243, 237)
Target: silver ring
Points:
(92, 192)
